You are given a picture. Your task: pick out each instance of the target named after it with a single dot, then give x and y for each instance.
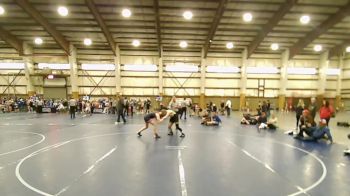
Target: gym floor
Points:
(49, 154)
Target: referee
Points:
(72, 107)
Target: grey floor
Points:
(49, 154)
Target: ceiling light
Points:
(247, 17)
(136, 42)
(229, 45)
(2, 10)
(63, 11)
(275, 46)
(305, 19)
(183, 44)
(187, 15)
(38, 41)
(126, 13)
(317, 48)
(87, 42)
(347, 49)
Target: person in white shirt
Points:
(228, 107)
(72, 107)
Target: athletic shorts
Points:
(174, 119)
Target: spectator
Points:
(326, 111)
(299, 111)
(319, 132)
(228, 107)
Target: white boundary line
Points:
(301, 190)
(13, 151)
(87, 171)
(47, 148)
(182, 174)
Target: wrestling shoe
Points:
(170, 133)
(182, 135)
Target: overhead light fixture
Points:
(126, 13)
(262, 70)
(87, 42)
(229, 45)
(305, 19)
(98, 67)
(318, 48)
(222, 69)
(333, 71)
(275, 46)
(136, 43)
(187, 15)
(210, 41)
(50, 77)
(347, 49)
(63, 11)
(12, 66)
(57, 66)
(183, 44)
(38, 41)
(247, 17)
(301, 71)
(181, 67)
(2, 10)
(141, 68)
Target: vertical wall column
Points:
(202, 87)
(243, 89)
(322, 77)
(117, 71)
(283, 80)
(73, 71)
(29, 68)
(339, 83)
(160, 72)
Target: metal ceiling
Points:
(159, 23)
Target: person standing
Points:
(299, 111)
(39, 104)
(326, 111)
(183, 108)
(120, 109)
(313, 107)
(174, 119)
(147, 106)
(268, 108)
(72, 107)
(228, 107)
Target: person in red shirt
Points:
(326, 111)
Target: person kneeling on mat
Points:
(153, 119)
(316, 133)
(174, 118)
(215, 120)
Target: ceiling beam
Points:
(11, 40)
(35, 14)
(214, 26)
(157, 24)
(319, 30)
(339, 49)
(92, 7)
(267, 28)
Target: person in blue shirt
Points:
(318, 132)
(215, 120)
